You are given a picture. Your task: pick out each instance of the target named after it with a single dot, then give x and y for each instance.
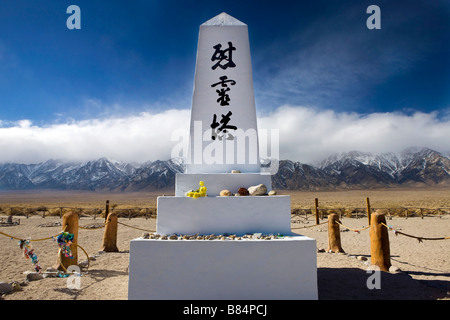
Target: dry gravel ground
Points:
(425, 267)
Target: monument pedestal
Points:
(218, 215)
(246, 269)
(277, 269)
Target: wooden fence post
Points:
(334, 234)
(379, 242)
(110, 234)
(368, 209)
(316, 203)
(106, 210)
(70, 224)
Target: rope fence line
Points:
(32, 240)
(396, 232)
(54, 237)
(355, 230)
(60, 260)
(135, 227)
(314, 225)
(379, 238)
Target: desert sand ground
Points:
(424, 267)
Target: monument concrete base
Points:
(233, 215)
(247, 269)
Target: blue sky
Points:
(139, 56)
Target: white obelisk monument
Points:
(200, 265)
(223, 135)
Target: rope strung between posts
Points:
(60, 260)
(33, 240)
(43, 239)
(396, 232)
(314, 225)
(355, 230)
(135, 227)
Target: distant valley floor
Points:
(425, 197)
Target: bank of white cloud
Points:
(306, 135)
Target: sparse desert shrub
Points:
(55, 212)
(92, 212)
(121, 213)
(42, 208)
(382, 211)
(152, 212)
(396, 212)
(16, 211)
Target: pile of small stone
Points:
(224, 236)
(94, 226)
(9, 222)
(258, 190)
(50, 224)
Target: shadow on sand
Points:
(351, 284)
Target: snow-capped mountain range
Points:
(355, 169)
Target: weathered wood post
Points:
(334, 234)
(316, 203)
(368, 209)
(379, 242)
(110, 234)
(70, 225)
(106, 210)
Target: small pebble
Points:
(33, 276)
(6, 287)
(243, 192)
(225, 193)
(393, 269)
(361, 258)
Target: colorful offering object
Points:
(28, 253)
(64, 241)
(200, 192)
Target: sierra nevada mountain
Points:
(349, 170)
